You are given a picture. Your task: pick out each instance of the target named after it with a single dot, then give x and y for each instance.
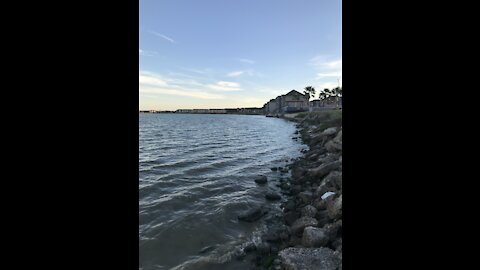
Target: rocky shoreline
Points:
(307, 234)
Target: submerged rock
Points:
(272, 196)
(261, 179)
(309, 259)
(252, 215)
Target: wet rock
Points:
(309, 259)
(332, 182)
(314, 237)
(240, 254)
(253, 214)
(309, 211)
(290, 205)
(296, 189)
(301, 223)
(334, 208)
(272, 196)
(261, 179)
(291, 217)
(249, 247)
(298, 172)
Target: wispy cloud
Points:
(326, 67)
(249, 72)
(245, 60)
(155, 84)
(162, 36)
(225, 86)
(147, 53)
(235, 73)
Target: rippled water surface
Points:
(196, 176)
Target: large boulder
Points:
(325, 168)
(314, 237)
(301, 223)
(332, 182)
(334, 208)
(309, 259)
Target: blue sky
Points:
(230, 54)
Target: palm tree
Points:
(310, 91)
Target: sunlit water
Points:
(196, 176)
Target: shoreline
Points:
(308, 233)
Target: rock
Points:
(290, 205)
(309, 211)
(320, 204)
(263, 248)
(309, 259)
(239, 254)
(329, 131)
(272, 196)
(314, 237)
(334, 208)
(301, 223)
(332, 182)
(249, 247)
(333, 230)
(291, 217)
(298, 172)
(261, 179)
(306, 196)
(333, 147)
(325, 169)
(296, 189)
(252, 214)
(337, 244)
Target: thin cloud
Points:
(245, 60)
(326, 67)
(235, 73)
(225, 86)
(162, 36)
(153, 84)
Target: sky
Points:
(235, 53)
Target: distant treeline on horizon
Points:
(212, 111)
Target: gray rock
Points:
(329, 131)
(291, 217)
(306, 196)
(261, 179)
(290, 205)
(249, 247)
(314, 237)
(309, 259)
(253, 214)
(325, 169)
(329, 183)
(272, 196)
(301, 223)
(309, 211)
(334, 208)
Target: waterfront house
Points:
(293, 101)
